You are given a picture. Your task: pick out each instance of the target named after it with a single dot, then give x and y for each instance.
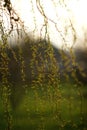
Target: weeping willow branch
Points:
(36, 65)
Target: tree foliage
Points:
(34, 63)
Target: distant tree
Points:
(81, 65)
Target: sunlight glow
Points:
(59, 18)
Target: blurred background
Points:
(43, 65)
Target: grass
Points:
(59, 108)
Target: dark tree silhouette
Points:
(81, 65)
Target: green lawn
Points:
(52, 108)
